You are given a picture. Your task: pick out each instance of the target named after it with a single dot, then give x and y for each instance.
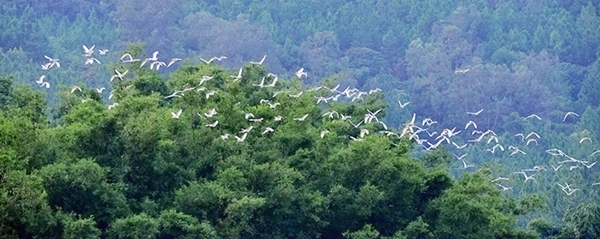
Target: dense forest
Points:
(300, 119)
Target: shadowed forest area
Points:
(323, 119)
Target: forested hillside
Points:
(304, 119)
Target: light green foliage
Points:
(175, 224)
(80, 228)
(416, 229)
(135, 226)
(367, 232)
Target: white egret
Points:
(214, 124)
(301, 118)
(176, 115)
(260, 62)
(301, 73)
(241, 139)
(567, 114)
(475, 113)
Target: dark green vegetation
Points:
(76, 169)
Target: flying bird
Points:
(527, 178)
(532, 140)
(129, 58)
(533, 116)
(471, 123)
(516, 150)
(272, 84)
(212, 112)
(261, 84)
(241, 139)
(363, 132)
(459, 146)
(173, 60)
(500, 178)
(46, 66)
(356, 139)
(156, 64)
(302, 118)
(53, 62)
(465, 165)
(475, 113)
(205, 79)
(88, 51)
(45, 84)
(569, 113)
(459, 157)
(300, 73)
(556, 168)
(260, 62)
(504, 188)
(520, 135)
(208, 94)
(92, 60)
(41, 79)
(176, 115)
(214, 124)
(403, 105)
(112, 105)
(118, 75)
(296, 95)
(584, 139)
(267, 130)
(212, 59)
(74, 88)
(323, 132)
(273, 105)
(239, 75)
(589, 165)
(533, 134)
(247, 130)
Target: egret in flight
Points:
(118, 75)
(176, 115)
(475, 113)
(567, 114)
(88, 51)
(300, 73)
(403, 105)
(260, 62)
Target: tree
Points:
(583, 221)
(135, 226)
(367, 232)
(81, 187)
(174, 224)
(80, 228)
(23, 202)
(476, 201)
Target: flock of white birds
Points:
(422, 133)
(527, 142)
